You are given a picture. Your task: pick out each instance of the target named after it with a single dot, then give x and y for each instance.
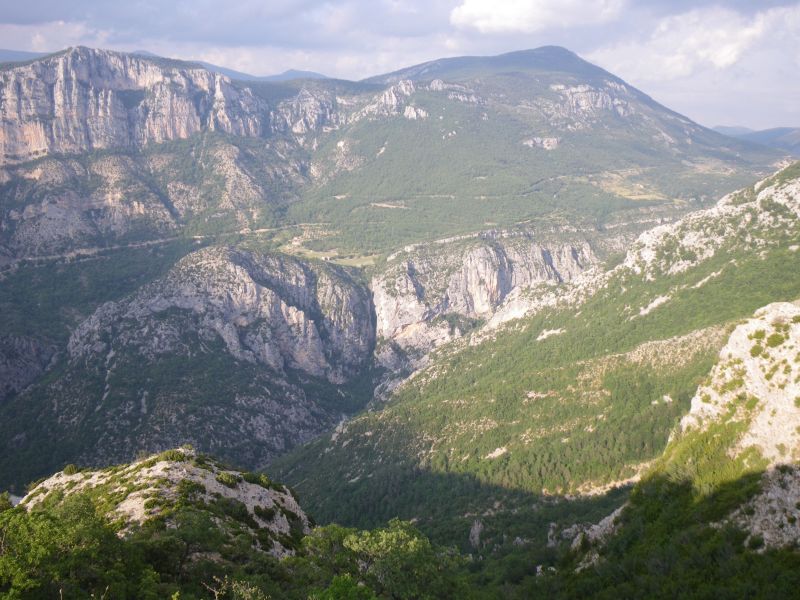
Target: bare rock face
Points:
(388, 103)
(755, 387)
(306, 113)
(772, 517)
(84, 99)
(269, 310)
(63, 204)
(432, 294)
(756, 382)
(242, 354)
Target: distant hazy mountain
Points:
(18, 55)
(733, 131)
(285, 76)
(241, 76)
(781, 138)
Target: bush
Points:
(774, 340)
(228, 479)
(264, 513)
(257, 479)
(172, 456)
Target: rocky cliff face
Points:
(60, 205)
(84, 99)
(268, 310)
(242, 353)
(756, 383)
(431, 294)
(22, 360)
(752, 402)
(755, 217)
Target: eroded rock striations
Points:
(428, 295)
(22, 360)
(267, 309)
(85, 99)
(245, 354)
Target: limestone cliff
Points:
(430, 294)
(241, 353)
(756, 382)
(85, 99)
(269, 310)
(22, 360)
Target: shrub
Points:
(228, 479)
(173, 456)
(774, 340)
(755, 542)
(257, 479)
(264, 513)
(71, 469)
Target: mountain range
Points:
(16, 56)
(780, 138)
(510, 299)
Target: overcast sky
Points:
(729, 62)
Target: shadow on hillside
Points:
(447, 505)
(666, 547)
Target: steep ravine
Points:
(247, 354)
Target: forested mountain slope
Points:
(581, 393)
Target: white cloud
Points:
(50, 36)
(529, 16)
(684, 44)
(717, 66)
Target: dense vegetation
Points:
(520, 414)
(67, 549)
(664, 549)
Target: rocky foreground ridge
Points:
(155, 491)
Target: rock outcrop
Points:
(22, 360)
(772, 517)
(243, 354)
(756, 382)
(745, 219)
(755, 388)
(162, 485)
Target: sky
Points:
(734, 62)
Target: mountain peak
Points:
(541, 59)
